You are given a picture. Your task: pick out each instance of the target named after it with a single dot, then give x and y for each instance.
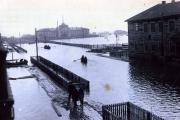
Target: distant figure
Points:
(73, 93)
(21, 60)
(84, 59)
(81, 95)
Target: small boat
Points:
(47, 47)
(16, 63)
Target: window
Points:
(145, 27)
(149, 37)
(137, 27)
(160, 27)
(171, 26)
(153, 29)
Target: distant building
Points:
(156, 32)
(46, 34)
(120, 32)
(27, 38)
(64, 31)
(78, 32)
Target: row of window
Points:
(152, 47)
(153, 27)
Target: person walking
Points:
(81, 95)
(85, 60)
(70, 91)
(73, 93)
(75, 96)
(82, 59)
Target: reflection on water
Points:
(158, 87)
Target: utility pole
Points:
(20, 39)
(36, 45)
(116, 40)
(57, 30)
(0, 39)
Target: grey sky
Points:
(98, 15)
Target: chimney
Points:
(173, 1)
(163, 2)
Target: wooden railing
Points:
(127, 111)
(60, 74)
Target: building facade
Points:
(155, 32)
(78, 32)
(46, 34)
(63, 31)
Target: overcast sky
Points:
(98, 15)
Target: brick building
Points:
(155, 32)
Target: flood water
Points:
(114, 81)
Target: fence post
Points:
(128, 111)
(148, 116)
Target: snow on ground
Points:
(31, 102)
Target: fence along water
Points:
(126, 111)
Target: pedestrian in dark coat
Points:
(85, 60)
(82, 59)
(73, 93)
(70, 91)
(75, 96)
(81, 95)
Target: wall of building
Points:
(62, 32)
(144, 39)
(46, 35)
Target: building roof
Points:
(46, 30)
(158, 11)
(63, 25)
(78, 28)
